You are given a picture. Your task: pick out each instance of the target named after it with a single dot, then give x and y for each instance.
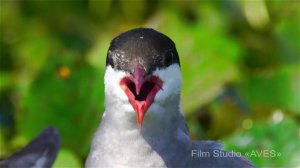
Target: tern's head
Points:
(143, 69)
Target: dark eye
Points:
(168, 59)
(109, 60)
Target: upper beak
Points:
(139, 73)
(138, 77)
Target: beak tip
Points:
(138, 89)
(139, 126)
(140, 116)
(140, 121)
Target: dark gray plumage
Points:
(39, 153)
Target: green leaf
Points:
(66, 158)
(281, 137)
(67, 94)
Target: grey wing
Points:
(39, 153)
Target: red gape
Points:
(141, 91)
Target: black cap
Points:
(142, 46)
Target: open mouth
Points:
(141, 93)
(147, 87)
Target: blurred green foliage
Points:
(240, 65)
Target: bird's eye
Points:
(168, 59)
(109, 61)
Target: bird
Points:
(40, 152)
(143, 124)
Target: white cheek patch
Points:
(112, 80)
(172, 82)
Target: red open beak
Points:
(141, 90)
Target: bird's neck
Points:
(160, 120)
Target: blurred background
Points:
(240, 65)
